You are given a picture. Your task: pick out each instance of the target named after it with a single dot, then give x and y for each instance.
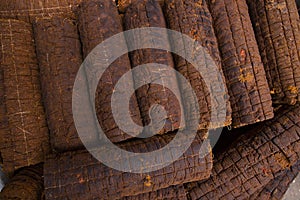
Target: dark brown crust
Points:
(170, 193)
(77, 175)
(277, 188)
(242, 66)
(29, 10)
(124, 4)
(253, 161)
(27, 184)
(58, 49)
(278, 35)
(94, 30)
(192, 18)
(23, 132)
(147, 13)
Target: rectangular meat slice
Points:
(24, 137)
(192, 18)
(78, 175)
(251, 162)
(162, 86)
(28, 183)
(59, 53)
(278, 36)
(247, 85)
(98, 20)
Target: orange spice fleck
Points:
(148, 181)
(243, 55)
(293, 89)
(282, 160)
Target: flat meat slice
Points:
(147, 13)
(59, 53)
(248, 87)
(99, 20)
(192, 18)
(77, 175)
(24, 137)
(278, 36)
(251, 162)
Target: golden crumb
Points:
(246, 78)
(282, 160)
(148, 181)
(293, 89)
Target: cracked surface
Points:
(192, 18)
(277, 188)
(276, 26)
(98, 21)
(58, 49)
(254, 160)
(170, 193)
(149, 14)
(29, 10)
(23, 131)
(124, 4)
(77, 175)
(242, 66)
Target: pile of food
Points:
(241, 59)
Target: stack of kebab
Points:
(273, 145)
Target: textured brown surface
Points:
(278, 36)
(124, 4)
(29, 10)
(27, 184)
(192, 18)
(251, 163)
(170, 193)
(242, 66)
(77, 175)
(23, 132)
(276, 188)
(58, 49)
(147, 13)
(98, 21)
